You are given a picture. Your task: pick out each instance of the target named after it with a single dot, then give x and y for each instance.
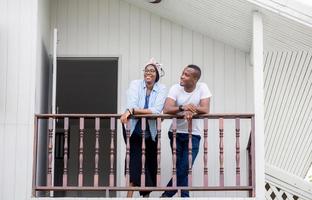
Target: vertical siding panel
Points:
(93, 29)
(229, 125)
(219, 76)
(2, 151)
(230, 69)
(165, 51)
(113, 42)
(270, 89)
(31, 58)
(249, 86)
(20, 179)
(303, 105)
(208, 77)
(287, 114)
(13, 63)
(72, 23)
(166, 59)
(53, 18)
(82, 27)
(29, 158)
(145, 33)
(249, 109)
(176, 53)
(104, 26)
(155, 37)
(240, 80)
(62, 10)
(9, 163)
(281, 106)
(268, 77)
(270, 110)
(124, 27)
(296, 109)
(208, 67)
(218, 97)
(4, 59)
(135, 72)
(187, 47)
(198, 49)
(198, 60)
(24, 72)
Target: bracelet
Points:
(129, 111)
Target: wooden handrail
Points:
(220, 117)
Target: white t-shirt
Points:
(182, 97)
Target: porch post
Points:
(257, 57)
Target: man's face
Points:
(188, 77)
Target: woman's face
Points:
(150, 74)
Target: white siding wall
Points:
(18, 32)
(288, 108)
(117, 28)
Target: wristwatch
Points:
(181, 108)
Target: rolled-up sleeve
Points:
(133, 95)
(159, 101)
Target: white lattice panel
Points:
(274, 193)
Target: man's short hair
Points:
(197, 69)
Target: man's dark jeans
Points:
(182, 160)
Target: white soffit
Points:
(230, 21)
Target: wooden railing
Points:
(50, 120)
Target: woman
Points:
(145, 96)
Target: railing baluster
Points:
(49, 186)
(97, 150)
(174, 152)
(158, 151)
(65, 173)
(206, 152)
(221, 156)
(143, 152)
(237, 129)
(50, 150)
(81, 132)
(128, 128)
(190, 156)
(112, 151)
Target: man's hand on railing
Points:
(190, 107)
(188, 115)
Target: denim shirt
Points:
(136, 94)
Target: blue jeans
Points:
(182, 160)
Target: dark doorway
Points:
(85, 85)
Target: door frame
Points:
(119, 139)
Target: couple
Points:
(149, 97)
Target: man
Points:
(188, 98)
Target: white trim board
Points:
(288, 182)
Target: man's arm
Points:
(204, 106)
(170, 106)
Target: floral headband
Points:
(153, 62)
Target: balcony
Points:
(62, 160)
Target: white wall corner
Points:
(257, 54)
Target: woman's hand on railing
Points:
(124, 117)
